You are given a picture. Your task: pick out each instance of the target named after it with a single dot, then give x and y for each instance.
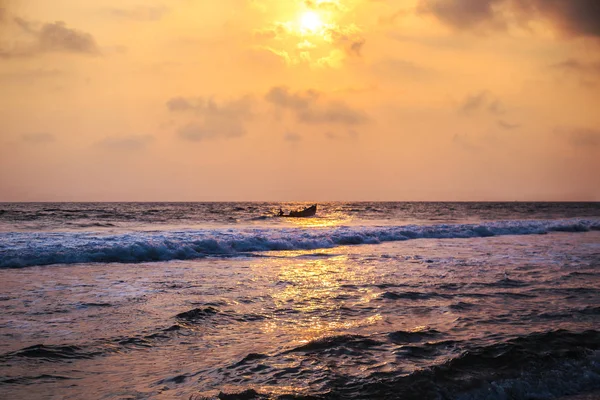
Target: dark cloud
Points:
(179, 104)
(571, 17)
(58, 37)
(309, 107)
(131, 142)
(461, 14)
(47, 37)
(584, 137)
(282, 96)
(209, 119)
(356, 46)
(481, 101)
(474, 102)
(140, 13)
(38, 137)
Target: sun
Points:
(310, 22)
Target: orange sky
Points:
(198, 100)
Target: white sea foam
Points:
(23, 249)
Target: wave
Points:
(51, 353)
(538, 365)
(24, 249)
(333, 342)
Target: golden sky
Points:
(318, 100)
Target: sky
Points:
(308, 100)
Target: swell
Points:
(539, 365)
(31, 249)
(182, 322)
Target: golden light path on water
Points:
(331, 220)
(312, 289)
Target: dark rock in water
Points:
(86, 305)
(178, 379)
(197, 313)
(172, 328)
(249, 394)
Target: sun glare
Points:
(311, 22)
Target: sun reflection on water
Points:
(330, 220)
(312, 299)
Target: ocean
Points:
(366, 300)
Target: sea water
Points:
(364, 301)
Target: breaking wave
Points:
(24, 249)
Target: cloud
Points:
(474, 102)
(399, 68)
(179, 104)
(209, 107)
(583, 137)
(131, 142)
(335, 112)
(350, 134)
(282, 97)
(461, 14)
(276, 31)
(347, 37)
(585, 71)
(507, 125)
(345, 40)
(140, 13)
(292, 137)
(209, 119)
(196, 132)
(570, 17)
(327, 5)
(48, 37)
(574, 65)
(30, 75)
(38, 137)
(573, 17)
(391, 19)
(58, 37)
(483, 100)
(466, 143)
(310, 108)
